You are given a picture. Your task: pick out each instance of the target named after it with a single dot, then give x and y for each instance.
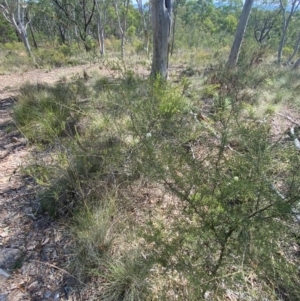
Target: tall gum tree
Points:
(286, 19)
(161, 22)
(146, 25)
(15, 13)
(239, 34)
(122, 22)
(80, 13)
(101, 6)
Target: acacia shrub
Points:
(234, 187)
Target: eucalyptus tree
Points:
(161, 23)
(239, 34)
(8, 34)
(145, 22)
(122, 20)
(45, 21)
(296, 48)
(288, 10)
(176, 5)
(15, 13)
(263, 22)
(80, 13)
(101, 6)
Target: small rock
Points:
(4, 274)
(4, 233)
(14, 139)
(67, 290)
(3, 297)
(47, 294)
(56, 297)
(9, 257)
(7, 146)
(34, 286)
(208, 295)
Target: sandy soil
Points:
(34, 249)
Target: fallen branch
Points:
(59, 269)
(288, 118)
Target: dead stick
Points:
(288, 118)
(60, 269)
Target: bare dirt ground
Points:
(9, 84)
(34, 249)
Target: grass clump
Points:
(95, 229)
(126, 279)
(80, 173)
(44, 113)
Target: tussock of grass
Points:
(96, 227)
(126, 279)
(45, 113)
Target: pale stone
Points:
(34, 286)
(8, 257)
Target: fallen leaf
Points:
(45, 241)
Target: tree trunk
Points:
(283, 35)
(239, 35)
(101, 38)
(285, 24)
(296, 65)
(173, 33)
(62, 33)
(31, 30)
(295, 50)
(122, 27)
(33, 37)
(24, 38)
(123, 46)
(161, 18)
(101, 24)
(22, 29)
(145, 25)
(19, 25)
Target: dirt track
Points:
(33, 247)
(9, 84)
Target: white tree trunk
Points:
(283, 35)
(145, 25)
(161, 18)
(285, 23)
(296, 65)
(122, 24)
(25, 40)
(101, 38)
(19, 25)
(101, 24)
(296, 48)
(239, 35)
